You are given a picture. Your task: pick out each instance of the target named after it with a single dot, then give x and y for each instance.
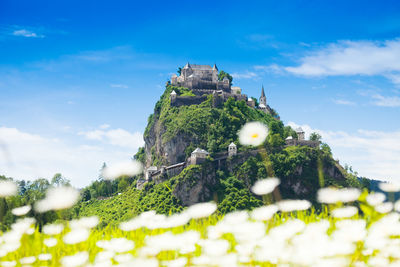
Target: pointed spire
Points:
(262, 91)
(215, 67)
(187, 66)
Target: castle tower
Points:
(172, 96)
(263, 99)
(174, 79)
(186, 71)
(300, 133)
(232, 150)
(198, 156)
(215, 73)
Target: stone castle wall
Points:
(187, 100)
(295, 142)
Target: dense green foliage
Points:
(28, 193)
(222, 74)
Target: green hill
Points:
(173, 132)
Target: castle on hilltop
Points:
(203, 80)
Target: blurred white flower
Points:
(179, 262)
(53, 229)
(143, 262)
(27, 260)
(21, 211)
(104, 257)
(170, 241)
(85, 222)
(78, 259)
(8, 263)
(124, 258)
(50, 242)
(253, 133)
(214, 248)
(344, 212)
(30, 231)
(117, 245)
(23, 225)
(201, 210)
(389, 187)
(7, 188)
(44, 257)
(293, 205)
(332, 195)
(385, 207)
(77, 235)
(374, 199)
(397, 206)
(264, 213)
(58, 198)
(265, 186)
(126, 168)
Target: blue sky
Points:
(78, 79)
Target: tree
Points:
(179, 71)
(255, 101)
(325, 148)
(101, 178)
(59, 180)
(222, 74)
(86, 195)
(122, 185)
(315, 136)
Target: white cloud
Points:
(117, 137)
(104, 126)
(245, 75)
(352, 58)
(374, 154)
(27, 33)
(272, 68)
(386, 101)
(29, 156)
(119, 86)
(344, 102)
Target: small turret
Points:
(174, 78)
(172, 96)
(300, 133)
(232, 150)
(215, 67)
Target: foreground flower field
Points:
(353, 229)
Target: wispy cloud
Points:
(344, 102)
(245, 75)
(352, 58)
(374, 154)
(386, 101)
(256, 41)
(272, 68)
(119, 86)
(117, 137)
(27, 33)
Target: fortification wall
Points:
(295, 142)
(187, 100)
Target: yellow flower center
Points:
(254, 135)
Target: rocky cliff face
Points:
(165, 153)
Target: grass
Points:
(237, 231)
